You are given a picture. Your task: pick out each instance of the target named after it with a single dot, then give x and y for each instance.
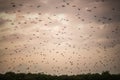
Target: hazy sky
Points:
(60, 36)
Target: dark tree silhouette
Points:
(29, 76)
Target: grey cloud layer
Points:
(102, 9)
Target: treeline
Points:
(29, 76)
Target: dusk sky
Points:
(60, 36)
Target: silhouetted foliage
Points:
(29, 76)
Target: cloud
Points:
(54, 27)
(106, 11)
(2, 21)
